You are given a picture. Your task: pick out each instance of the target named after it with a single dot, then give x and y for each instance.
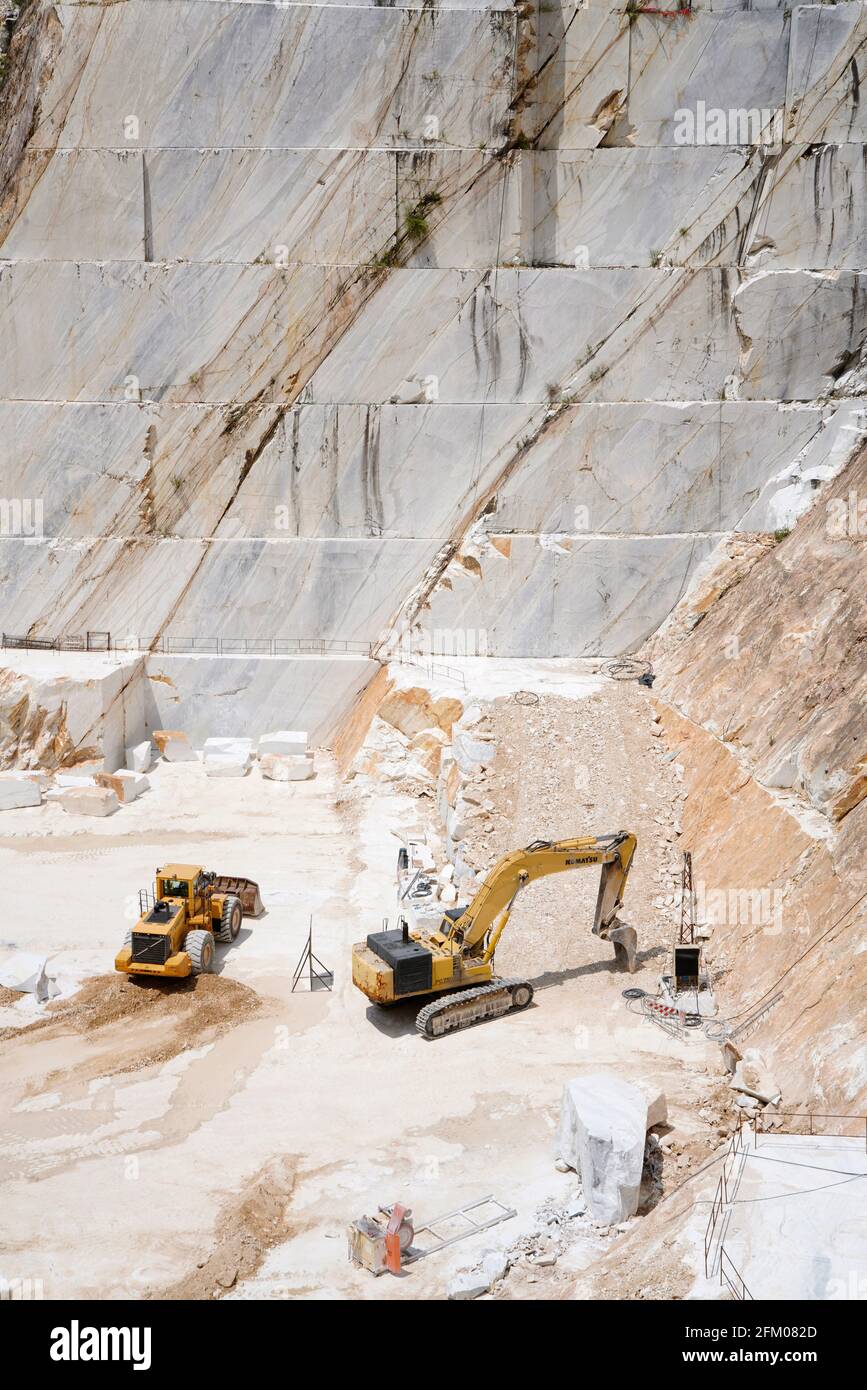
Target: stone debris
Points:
(139, 757)
(227, 757)
(26, 973)
(283, 742)
(287, 767)
(89, 801)
(174, 746)
(472, 1283)
(603, 1127)
(753, 1078)
(17, 792)
(471, 751)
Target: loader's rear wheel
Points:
(199, 946)
(230, 922)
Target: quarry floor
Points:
(210, 1141)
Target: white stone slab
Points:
(287, 767)
(227, 767)
(227, 757)
(16, 793)
(136, 781)
(174, 745)
(572, 597)
(138, 758)
(89, 801)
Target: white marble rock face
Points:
(319, 315)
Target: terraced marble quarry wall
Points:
(319, 320)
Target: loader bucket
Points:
(244, 888)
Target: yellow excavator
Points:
(392, 966)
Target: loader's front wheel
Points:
(230, 922)
(199, 946)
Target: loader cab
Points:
(183, 881)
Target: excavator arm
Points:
(479, 927)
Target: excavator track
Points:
(471, 1006)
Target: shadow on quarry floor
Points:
(550, 978)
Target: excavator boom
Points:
(496, 895)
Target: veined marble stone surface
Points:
(320, 319)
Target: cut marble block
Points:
(287, 767)
(16, 792)
(89, 801)
(174, 746)
(138, 759)
(127, 786)
(136, 780)
(603, 1127)
(227, 757)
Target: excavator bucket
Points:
(625, 942)
(244, 888)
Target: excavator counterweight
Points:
(455, 963)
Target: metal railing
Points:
(168, 645)
(728, 1273)
(732, 1278)
(760, 1127)
(192, 646)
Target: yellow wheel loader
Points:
(455, 963)
(181, 921)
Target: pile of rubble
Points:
(555, 1230)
